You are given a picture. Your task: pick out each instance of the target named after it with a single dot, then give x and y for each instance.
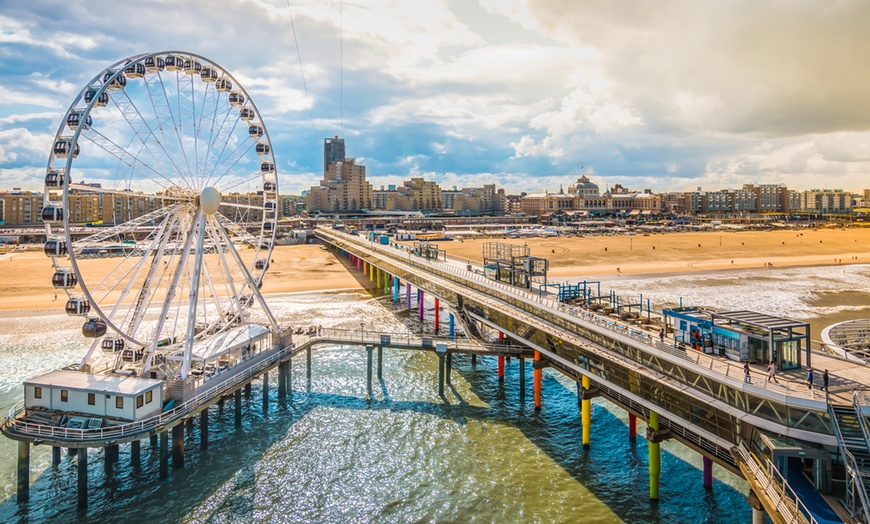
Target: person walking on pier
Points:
(746, 377)
(825, 381)
(662, 335)
(771, 372)
(810, 378)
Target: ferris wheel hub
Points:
(210, 200)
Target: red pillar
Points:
(501, 368)
(538, 381)
(632, 426)
(437, 307)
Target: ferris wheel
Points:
(169, 243)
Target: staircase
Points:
(854, 447)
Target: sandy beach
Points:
(25, 278)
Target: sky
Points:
(528, 94)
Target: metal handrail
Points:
(851, 464)
(788, 504)
(790, 389)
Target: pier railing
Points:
(14, 423)
(718, 366)
(777, 489)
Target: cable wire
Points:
(302, 70)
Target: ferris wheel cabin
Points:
(64, 146)
(154, 64)
(223, 85)
(174, 63)
(64, 278)
(94, 328)
(102, 98)
(55, 248)
(135, 70)
(51, 214)
(77, 306)
(247, 114)
(236, 99)
(54, 178)
(118, 82)
(75, 118)
(191, 67)
(256, 131)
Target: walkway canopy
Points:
(229, 341)
(785, 340)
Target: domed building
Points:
(584, 187)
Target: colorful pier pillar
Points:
(421, 302)
(408, 292)
(395, 289)
(538, 379)
(501, 361)
(386, 282)
(437, 314)
(586, 413)
(708, 473)
(371, 273)
(655, 459)
(632, 427)
(452, 322)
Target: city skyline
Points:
(526, 95)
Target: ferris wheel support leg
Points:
(194, 293)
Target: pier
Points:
(754, 428)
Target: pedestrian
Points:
(825, 380)
(746, 377)
(771, 372)
(662, 335)
(810, 378)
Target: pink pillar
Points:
(421, 302)
(437, 306)
(708, 473)
(408, 292)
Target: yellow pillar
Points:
(586, 408)
(655, 459)
(371, 273)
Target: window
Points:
(64, 395)
(119, 402)
(37, 392)
(92, 399)
(140, 401)
(148, 397)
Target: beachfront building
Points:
(343, 188)
(484, 200)
(22, 208)
(826, 201)
(584, 196)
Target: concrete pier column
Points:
(632, 427)
(248, 390)
(289, 378)
(188, 425)
(110, 454)
(408, 293)
(441, 367)
(164, 455)
(586, 415)
(72, 452)
(203, 429)
(395, 289)
(380, 363)
(538, 380)
(501, 368)
(437, 315)
(308, 366)
(449, 366)
(473, 360)
(421, 301)
(55, 456)
(82, 467)
(757, 508)
(265, 391)
(152, 441)
(23, 471)
(522, 379)
(178, 446)
(369, 350)
(238, 410)
(136, 454)
(655, 459)
(282, 381)
(452, 324)
(708, 472)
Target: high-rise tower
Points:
(333, 151)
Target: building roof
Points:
(109, 383)
(224, 342)
(759, 320)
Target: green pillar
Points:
(655, 459)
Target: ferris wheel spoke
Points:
(239, 182)
(166, 125)
(126, 158)
(237, 230)
(227, 164)
(249, 280)
(130, 226)
(230, 281)
(223, 138)
(142, 130)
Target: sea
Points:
(479, 454)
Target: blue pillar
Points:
(452, 327)
(408, 291)
(395, 289)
